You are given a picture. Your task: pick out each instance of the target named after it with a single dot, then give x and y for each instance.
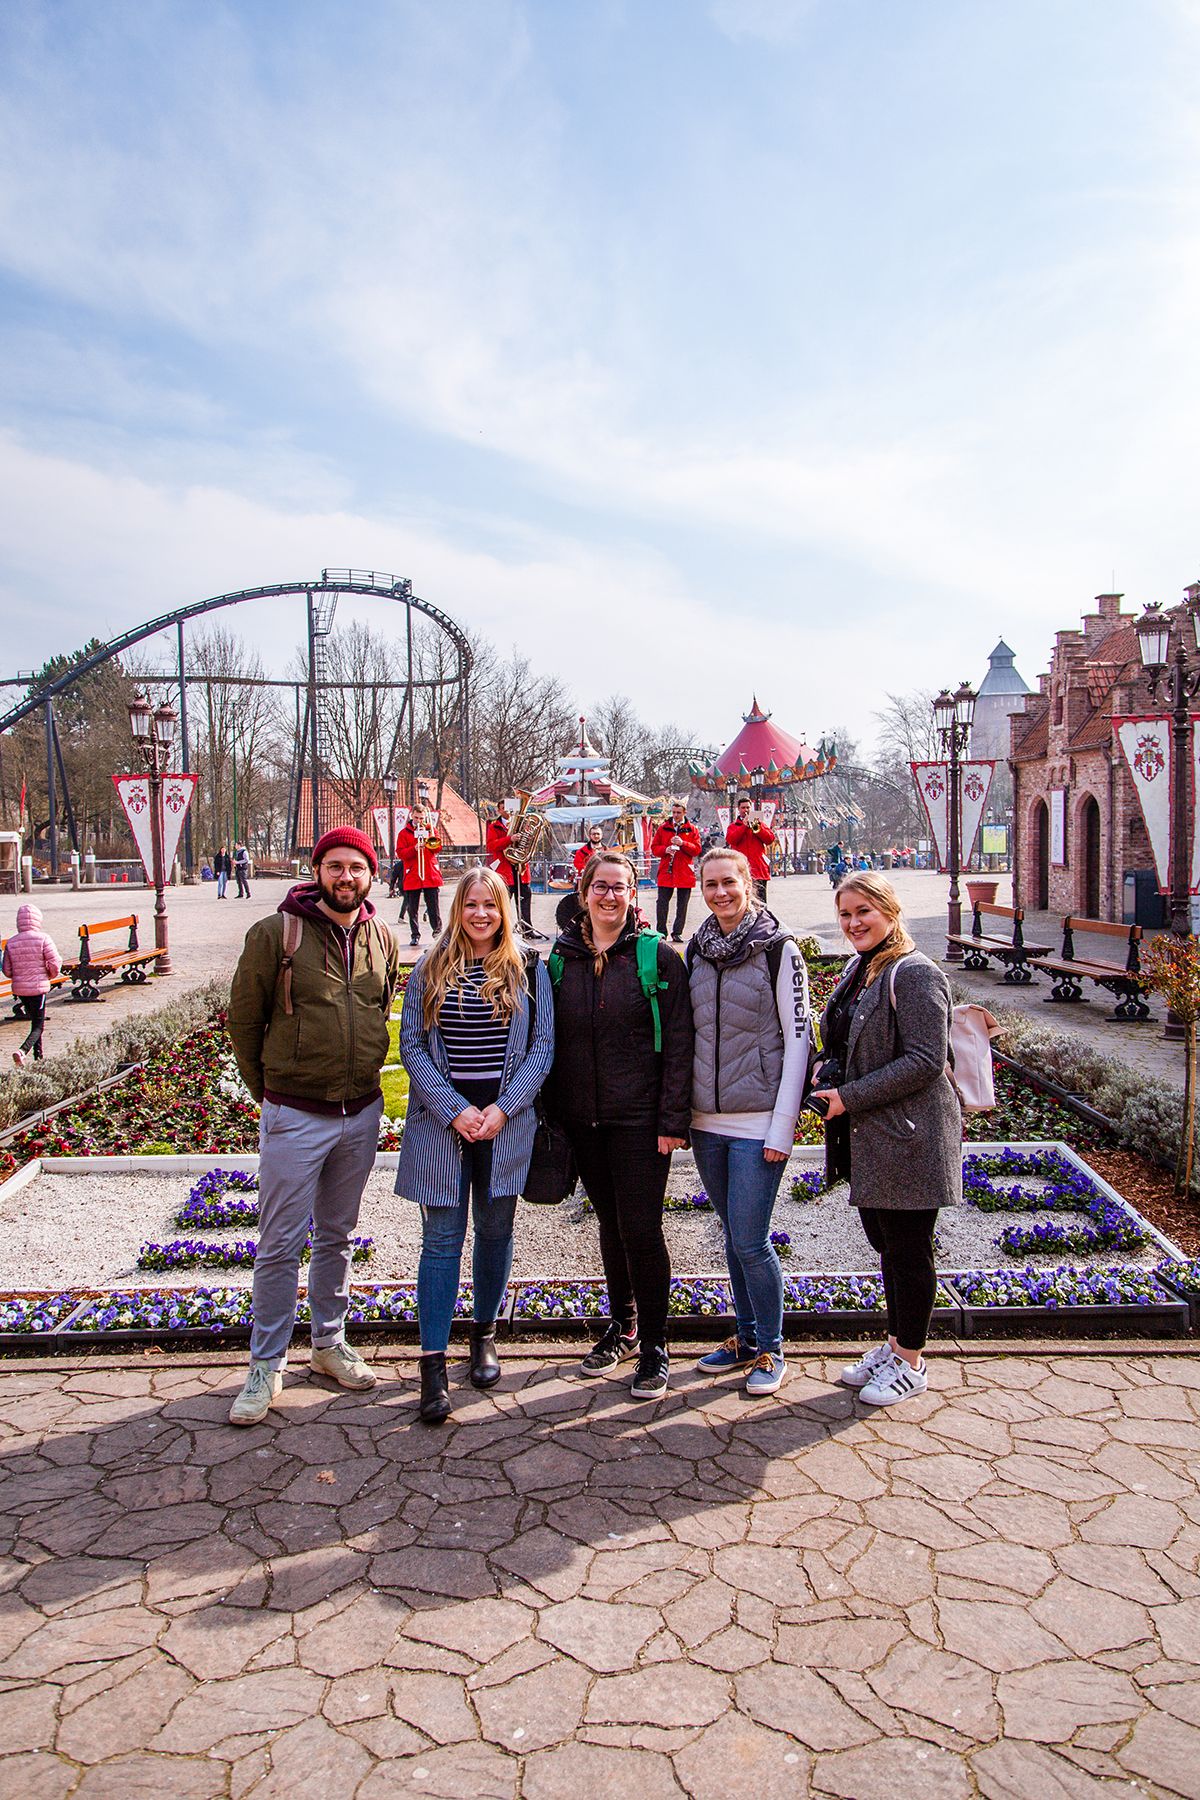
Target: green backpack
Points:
(646, 950)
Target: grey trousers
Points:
(315, 1168)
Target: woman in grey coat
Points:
(893, 1124)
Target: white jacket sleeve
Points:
(795, 1017)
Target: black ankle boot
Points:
(485, 1364)
(435, 1389)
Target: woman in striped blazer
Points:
(477, 1039)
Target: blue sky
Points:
(695, 346)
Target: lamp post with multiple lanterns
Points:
(391, 787)
(952, 716)
(1154, 636)
(154, 735)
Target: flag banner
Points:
(133, 791)
(768, 809)
(380, 816)
(933, 785)
(1146, 746)
(1058, 827)
(723, 819)
(177, 791)
(976, 780)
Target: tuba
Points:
(527, 829)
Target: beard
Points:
(342, 902)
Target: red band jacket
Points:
(498, 839)
(420, 860)
(753, 841)
(678, 847)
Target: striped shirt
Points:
(475, 1041)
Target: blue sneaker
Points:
(733, 1354)
(766, 1376)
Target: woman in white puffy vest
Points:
(750, 1005)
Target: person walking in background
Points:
(224, 869)
(893, 1123)
(748, 834)
(417, 847)
(241, 868)
(677, 845)
(750, 1006)
(308, 1018)
(621, 1087)
(477, 1039)
(31, 962)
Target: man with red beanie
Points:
(308, 1016)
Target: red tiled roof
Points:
(1036, 741)
(1093, 733)
(1118, 648)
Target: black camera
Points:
(827, 1074)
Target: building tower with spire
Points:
(1001, 693)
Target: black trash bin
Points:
(1142, 903)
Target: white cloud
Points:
(776, 21)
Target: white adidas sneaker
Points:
(868, 1366)
(898, 1381)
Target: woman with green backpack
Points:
(621, 1088)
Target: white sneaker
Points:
(345, 1366)
(19, 1058)
(263, 1385)
(899, 1381)
(867, 1367)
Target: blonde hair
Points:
(504, 979)
(879, 891)
(585, 882)
(722, 853)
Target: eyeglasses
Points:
(602, 888)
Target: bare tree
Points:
(906, 729)
(357, 714)
(238, 742)
(520, 723)
(615, 728)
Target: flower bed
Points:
(192, 1253)
(1118, 1296)
(1067, 1189)
(1183, 1278)
(166, 1312)
(25, 1316)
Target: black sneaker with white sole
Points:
(612, 1349)
(653, 1373)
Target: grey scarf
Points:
(756, 928)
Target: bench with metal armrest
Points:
(1013, 952)
(131, 964)
(1122, 979)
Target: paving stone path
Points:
(992, 1591)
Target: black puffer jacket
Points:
(605, 1067)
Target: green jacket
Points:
(334, 1042)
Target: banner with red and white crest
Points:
(1146, 745)
(933, 785)
(133, 791)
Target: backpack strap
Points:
(554, 968)
(293, 931)
(646, 951)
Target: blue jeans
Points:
(444, 1230)
(222, 878)
(742, 1186)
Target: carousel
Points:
(785, 778)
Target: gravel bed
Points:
(86, 1230)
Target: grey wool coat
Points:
(904, 1116)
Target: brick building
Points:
(1078, 827)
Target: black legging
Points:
(626, 1181)
(412, 906)
(904, 1241)
(34, 1008)
(682, 896)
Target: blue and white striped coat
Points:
(430, 1168)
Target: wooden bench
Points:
(1013, 952)
(130, 964)
(1122, 979)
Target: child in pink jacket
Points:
(31, 962)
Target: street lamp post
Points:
(731, 794)
(1154, 636)
(391, 787)
(154, 735)
(952, 716)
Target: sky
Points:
(698, 348)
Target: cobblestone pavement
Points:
(991, 1591)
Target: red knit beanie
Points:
(345, 837)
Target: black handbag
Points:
(552, 1172)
